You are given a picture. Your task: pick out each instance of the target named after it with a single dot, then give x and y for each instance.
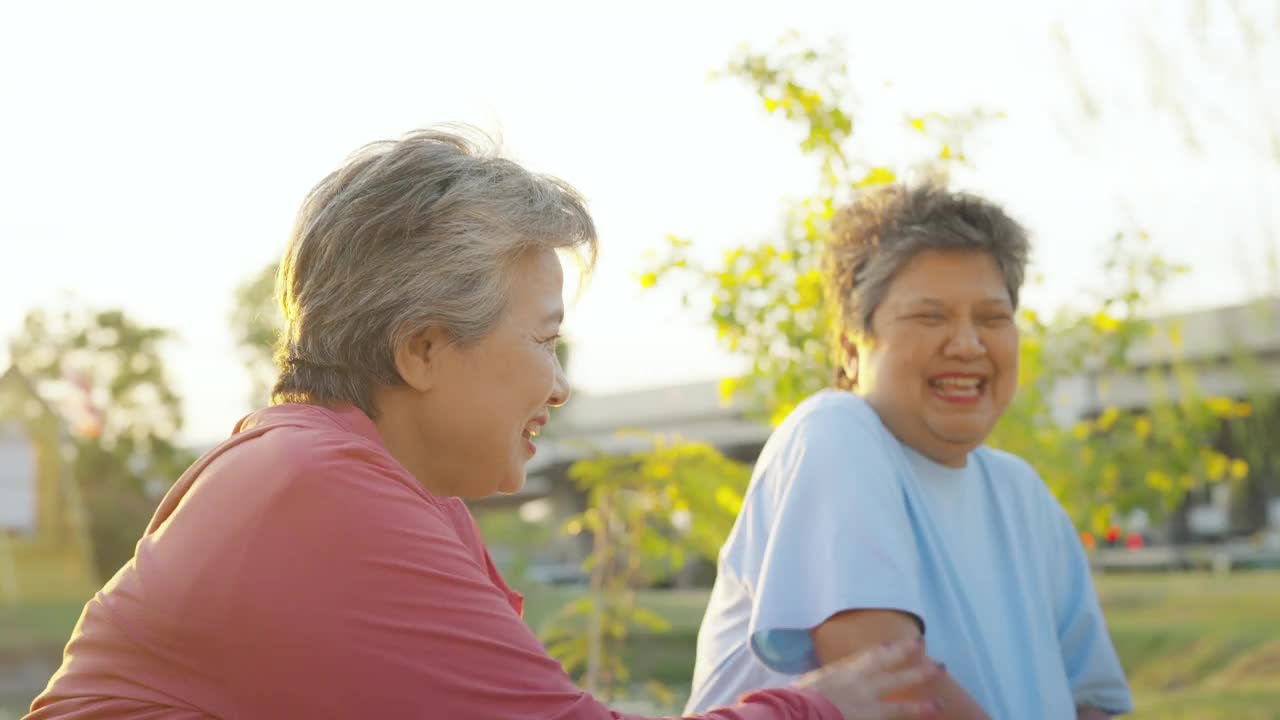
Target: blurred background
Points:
(152, 156)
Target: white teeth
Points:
(965, 387)
(957, 382)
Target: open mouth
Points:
(531, 431)
(958, 388)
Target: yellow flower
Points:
(1216, 466)
(1239, 469)
(1142, 428)
(1223, 407)
(1105, 323)
(1159, 481)
(728, 499)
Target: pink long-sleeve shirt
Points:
(299, 571)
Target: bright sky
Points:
(152, 155)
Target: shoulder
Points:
(302, 471)
(296, 489)
(307, 447)
(1007, 466)
(831, 438)
(1015, 475)
(831, 417)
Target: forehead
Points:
(948, 277)
(537, 285)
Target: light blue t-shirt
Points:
(842, 516)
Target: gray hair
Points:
(875, 237)
(408, 234)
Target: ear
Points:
(849, 358)
(419, 358)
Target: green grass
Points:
(37, 627)
(1195, 647)
(1198, 646)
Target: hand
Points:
(858, 684)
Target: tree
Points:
(1200, 75)
(639, 514)
(1199, 72)
(107, 371)
(256, 322)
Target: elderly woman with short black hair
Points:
(319, 563)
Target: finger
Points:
(910, 710)
(890, 656)
(894, 681)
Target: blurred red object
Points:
(1086, 539)
(1113, 534)
(1134, 541)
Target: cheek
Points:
(1004, 355)
(898, 372)
(530, 382)
(545, 372)
(912, 356)
(526, 369)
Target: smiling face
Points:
(466, 420)
(941, 363)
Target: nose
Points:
(560, 389)
(965, 343)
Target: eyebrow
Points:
(935, 302)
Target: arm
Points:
(1085, 712)
(826, 532)
(859, 630)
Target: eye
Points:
(928, 318)
(997, 320)
(550, 343)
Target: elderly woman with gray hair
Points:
(319, 563)
(879, 500)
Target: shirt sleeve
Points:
(359, 599)
(1093, 668)
(827, 531)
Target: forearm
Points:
(852, 632)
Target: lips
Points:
(534, 427)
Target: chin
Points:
(962, 433)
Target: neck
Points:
(919, 439)
(947, 459)
(402, 433)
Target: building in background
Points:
(44, 550)
(1235, 353)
